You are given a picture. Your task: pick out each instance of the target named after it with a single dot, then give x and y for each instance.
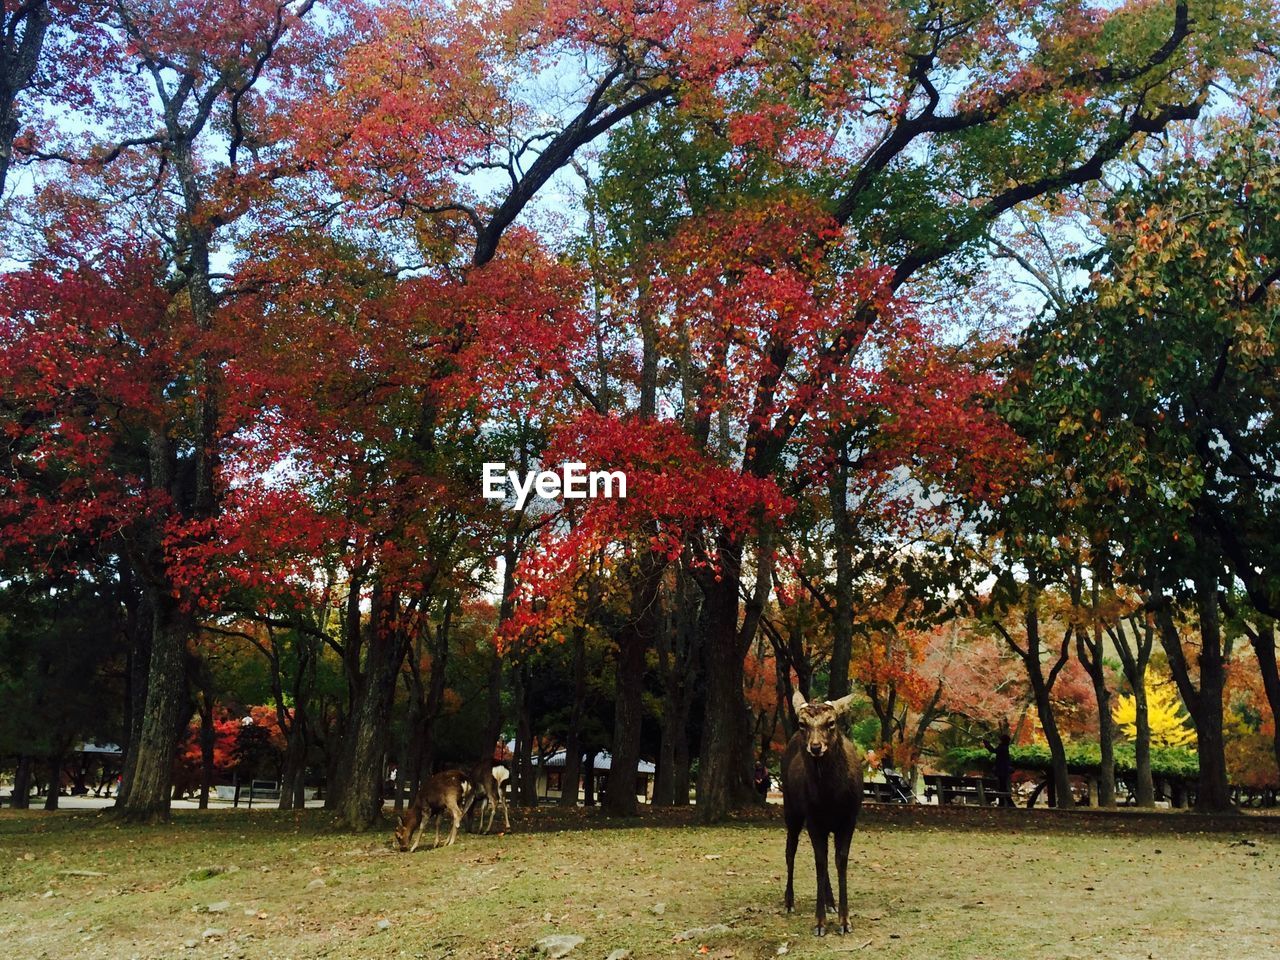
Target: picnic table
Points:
(964, 790)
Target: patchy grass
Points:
(925, 883)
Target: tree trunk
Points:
(293, 781)
(724, 759)
(333, 760)
(206, 750)
(21, 799)
(638, 635)
(526, 777)
(409, 760)
(1042, 686)
(1060, 778)
(1264, 648)
(620, 787)
(22, 62)
(885, 711)
(1090, 651)
(573, 739)
(664, 779)
(55, 782)
(1135, 659)
(664, 776)
(678, 655)
(842, 615)
(589, 777)
(724, 763)
(353, 638)
(151, 769)
(424, 760)
(493, 714)
(681, 775)
(293, 723)
(493, 704)
(364, 744)
(141, 627)
(1106, 745)
(1213, 794)
(1144, 790)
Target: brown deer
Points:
(486, 786)
(446, 792)
(821, 792)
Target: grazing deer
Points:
(821, 792)
(445, 792)
(486, 786)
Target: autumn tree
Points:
(808, 270)
(393, 158)
(169, 81)
(1179, 458)
(890, 219)
(1166, 719)
(1133, 638)
(1016, 611)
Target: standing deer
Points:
(446, 792)
(486, 786)
(821, 792)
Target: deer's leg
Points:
(793, 841)
(417, 834)
(844, 837)
(455, 813)
(436, 816)
(469, 808)
(824, 882)
(818, 839)
(506, 820)
(491, 802)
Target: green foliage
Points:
(1157, 390)
(866, 733)
(60, 652)
(1082, 758)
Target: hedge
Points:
(1174, 763)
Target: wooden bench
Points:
(263, 790)
(964, 790)
(878, 792)
(253, 790)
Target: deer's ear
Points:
(842, 705)
(798, 701)
(399, 822)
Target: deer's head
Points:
(405, 825)
(819, 722)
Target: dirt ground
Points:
(925, 883)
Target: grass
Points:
(925, 883)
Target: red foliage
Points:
(228, 730)
(674, 492)
(85, 355)
(1250, 727)
(984, 682)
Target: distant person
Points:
(1003, 767)
(762, 781)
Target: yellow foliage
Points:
(1165, 716)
